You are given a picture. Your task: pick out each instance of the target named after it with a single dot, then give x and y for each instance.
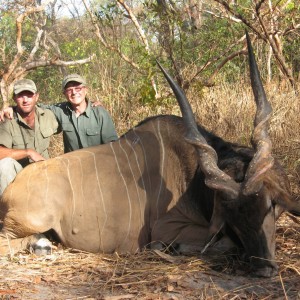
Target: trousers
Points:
(9, 168)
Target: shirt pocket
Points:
(92, 131)
(47, 132)
(93, 136)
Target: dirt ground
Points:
(70, 274)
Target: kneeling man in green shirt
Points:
(26, 137)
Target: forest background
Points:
(114, 44)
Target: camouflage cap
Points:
(72, 77)
(24, 85)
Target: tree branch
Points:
(103, 42)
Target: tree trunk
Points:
(194, 11)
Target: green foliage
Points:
(48, 81)
(291, 6)
(77, 48)
(146, 93)
(106, 13)
(292, 53)
(183, 49)
(7, 36)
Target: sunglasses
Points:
(73, 90)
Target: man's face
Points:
(75, 92)
(26, 101)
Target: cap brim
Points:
(78, 81)
(18, 91)
(73, 78)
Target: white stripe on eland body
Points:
(102, 203)
(28, 192)
(161, 143)
(47, 179)
(146, 163)
(140, 174)
(69, 177)
(126, 187)
(81, 185)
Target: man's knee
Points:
(8, 164)
(9, 168)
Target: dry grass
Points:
(228, 111)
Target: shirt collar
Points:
(87, 111)
(38, 112)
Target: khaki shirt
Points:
(91, 128)
(16, 134)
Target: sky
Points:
(63, 7)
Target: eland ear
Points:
(293, 207)
(217, 223)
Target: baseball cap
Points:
(24, 85)
(72, 77)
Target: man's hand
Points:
(97, 103)
(18, 154)
(34, 156)
(2, 118)
(6, 113)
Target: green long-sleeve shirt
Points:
(93, 127)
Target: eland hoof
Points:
(41, 247)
